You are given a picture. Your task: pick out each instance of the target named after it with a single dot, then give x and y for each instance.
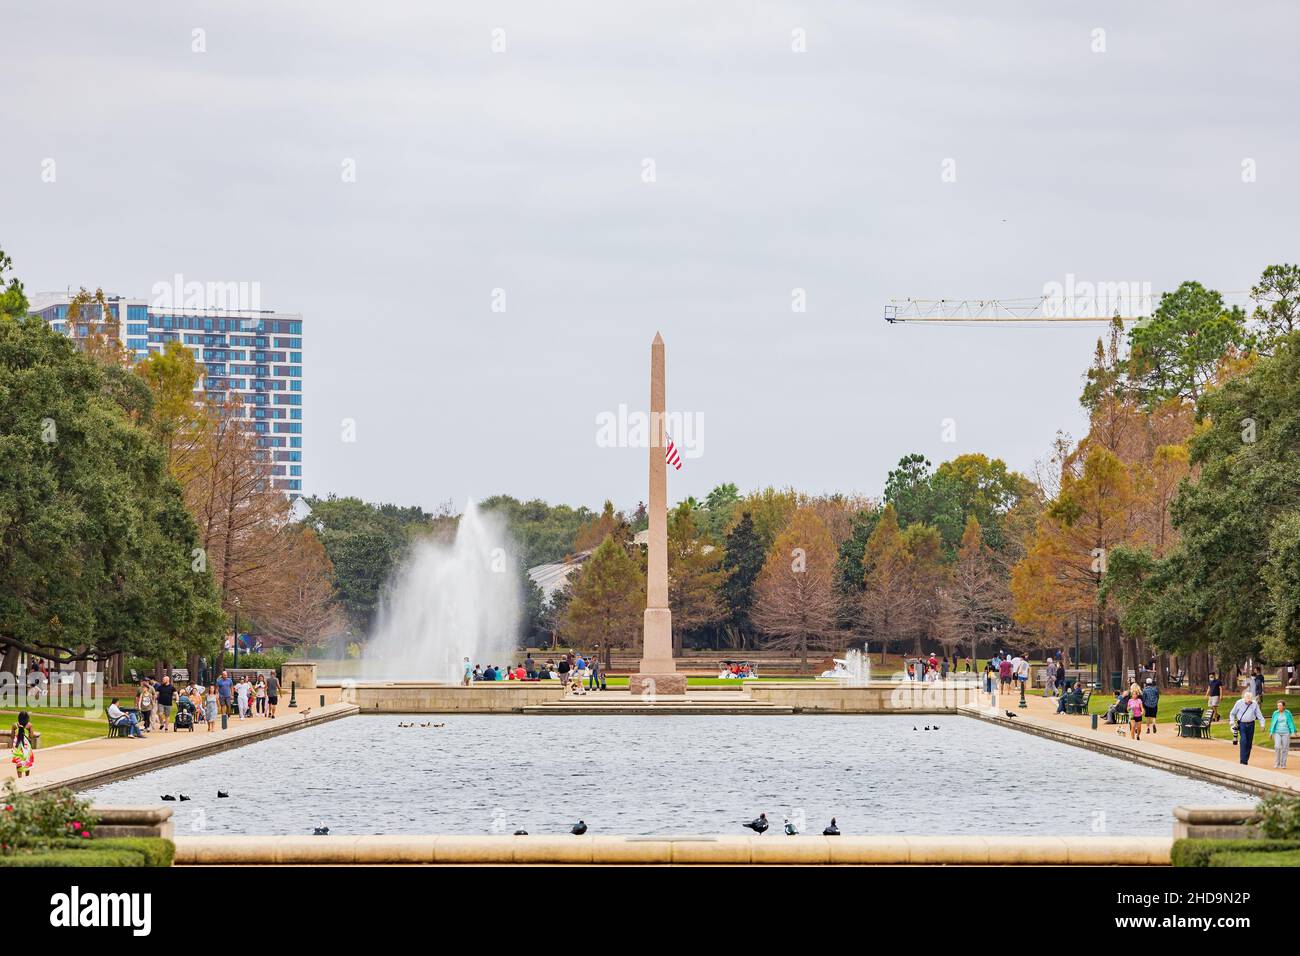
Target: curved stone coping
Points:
(1240, 814)
(673, 850)
(1225, 773)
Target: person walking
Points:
(144, 704)
(224, 688)
(1049, 684)
(1135, 710)
(166, 696)
(273, 693)
(1215, 695)
(211, 708)
(20, 742)
(242, 690)
(260, 692)
(1280, 727)
(1245, 715)
(1151, 701)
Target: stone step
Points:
(694, 707)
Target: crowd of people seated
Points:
(575, 671)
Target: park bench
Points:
(1081, 707)
(1192, 722)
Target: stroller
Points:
(184, 714)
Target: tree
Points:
(694, 575)
(1227, 585)
(609, 522)
(544, 533)
(720, 507)
(97, 552)
(13, 300)
(239, 513)
(1175, 354)
(742, 561)
(973, 599)
(770, 511)
(888, 611)
(182, 421)
(607, 599)
(1277, 305)
(794, 595)
(300, 607)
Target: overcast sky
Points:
(525, 170)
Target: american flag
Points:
(670, 454)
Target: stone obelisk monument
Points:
(658, 673)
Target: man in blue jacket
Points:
(1150, 702)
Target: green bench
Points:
(1080, 708)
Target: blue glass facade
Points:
(255, 356)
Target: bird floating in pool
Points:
(168, 796)
(221, 794)
(790, 829)
(521, 833)
(183, 797)
(579, 828)
(439, 725)
(758, 825)
(321, 830)
(831, 830)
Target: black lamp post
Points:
(236, 642)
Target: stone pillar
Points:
(657, 675)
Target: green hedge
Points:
(116, 851)
(1202, 852)
(1283, 858)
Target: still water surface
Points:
(676, 774)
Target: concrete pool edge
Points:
(125, 764)
(673, 850)
(1206, 769)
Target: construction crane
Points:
(1042, 308)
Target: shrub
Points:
(114, 851)
(1282, 858)
(37, 820)
(1200, 852)
(86, 857)
(1279, 817)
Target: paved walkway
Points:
(1216, 760)
(88, 763)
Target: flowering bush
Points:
(30, 821)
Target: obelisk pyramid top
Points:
(659, 339)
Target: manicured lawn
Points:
(1171, 704)
(57, 730)
(709, 681)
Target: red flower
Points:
(75, 824)
(86, 834)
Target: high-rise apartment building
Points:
(255, 354)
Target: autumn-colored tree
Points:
(694, 575)
(606, 600)
(240, 515)
(96, 328)
(888, 611)
(794, 595)
(183, 419)
(974, 597)
(298, 602)
(770, 510)
(608, 522)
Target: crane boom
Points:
(1039, 309)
